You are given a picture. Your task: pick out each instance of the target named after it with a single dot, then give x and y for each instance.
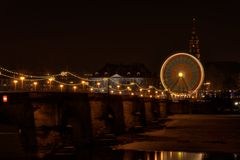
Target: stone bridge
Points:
(41, 120)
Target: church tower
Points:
(194, 41)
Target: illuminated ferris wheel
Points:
(182, 74)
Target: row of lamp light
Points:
(84, 83)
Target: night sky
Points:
(50, 36)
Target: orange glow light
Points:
(5, 98)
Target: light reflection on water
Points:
(143, 155)
(162, 155)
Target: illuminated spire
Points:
(194, 41)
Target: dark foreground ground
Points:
(191, 133)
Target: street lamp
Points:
(129, 89)
(15, 84)
(35, 85)
(22, 79)
(50, 83)
(74, 88)
(98, 84)
(61, 87)
(83, 83)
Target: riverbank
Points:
(192, 133)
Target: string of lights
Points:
(36, 79)
(26, 75)
(93, 85)
(82, 78)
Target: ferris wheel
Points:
(182, 74)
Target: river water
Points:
(104, 154)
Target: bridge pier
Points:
(48, 119)
(18, 136)
(134, 113)
(97, 109)
(163, 108)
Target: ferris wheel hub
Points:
(180, 74)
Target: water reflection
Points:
(96, 154)
(163, 155)
(168, 155)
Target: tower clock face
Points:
(181, 74)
